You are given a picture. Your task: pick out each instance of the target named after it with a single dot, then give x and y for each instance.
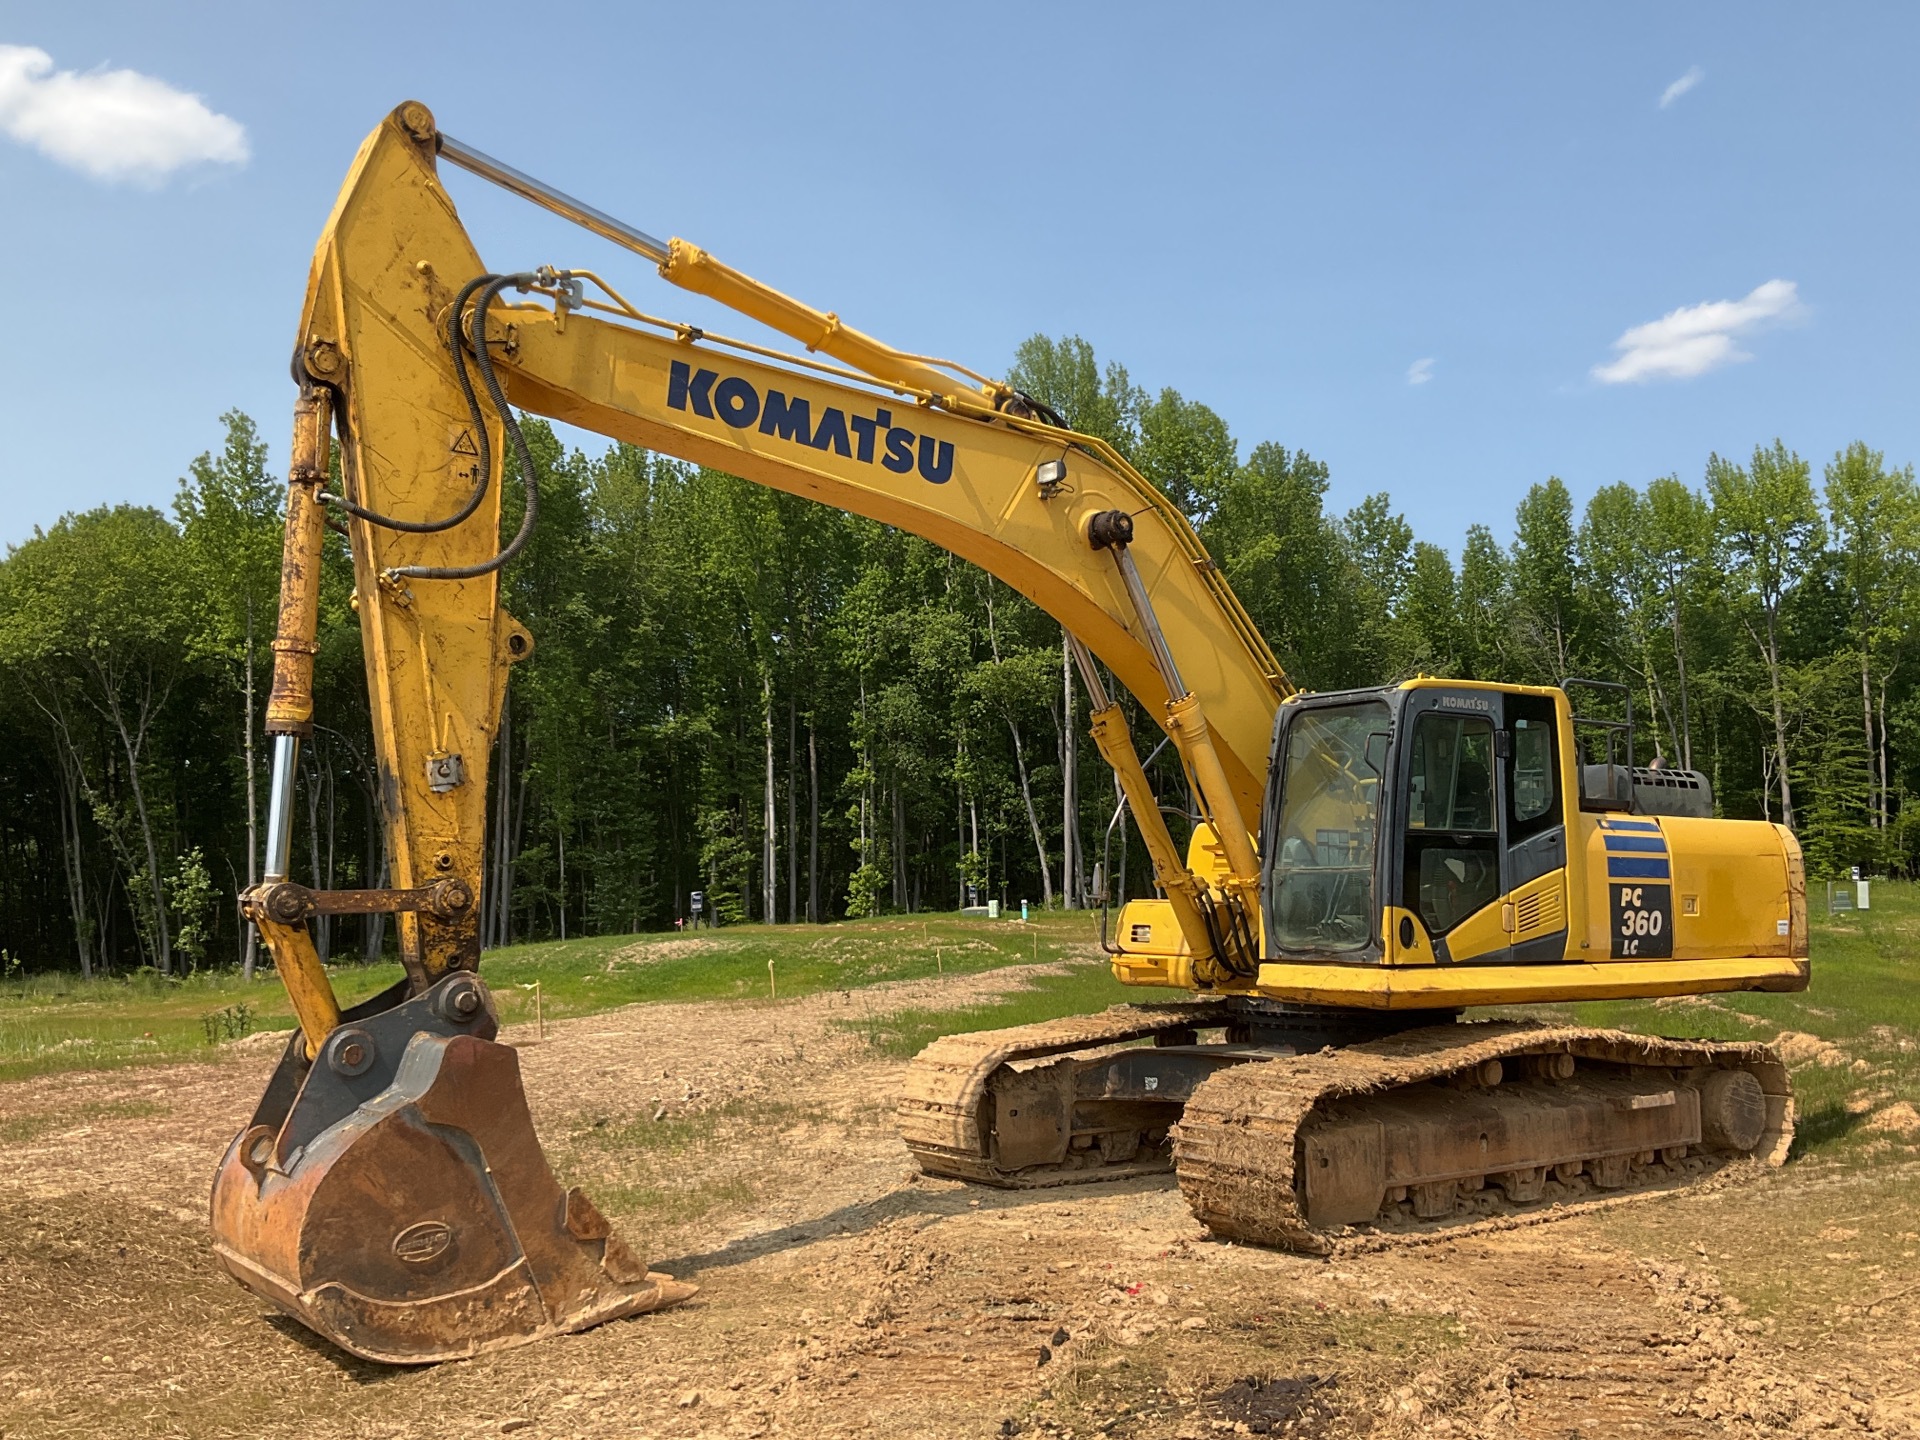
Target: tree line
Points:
(805, 715)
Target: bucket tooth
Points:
(406, 1211)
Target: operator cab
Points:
(1425, 807)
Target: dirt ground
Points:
(749, 1148)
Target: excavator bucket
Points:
(390, 1193)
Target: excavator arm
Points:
(389, 1191)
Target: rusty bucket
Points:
(391, 1194)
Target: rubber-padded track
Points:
(1234, 1148)
(941, 1109)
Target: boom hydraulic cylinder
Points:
(290, 713)
(1187, 725)
(1185, 893)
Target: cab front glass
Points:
(1320, 884)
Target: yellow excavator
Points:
(1368, 864)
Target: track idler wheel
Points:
(392, 1196)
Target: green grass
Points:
(578, 977)
(1085, 989)
(55, 1023)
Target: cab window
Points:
(1533, 767)
(1532, 770)
(1451, 864)
(1451, 780)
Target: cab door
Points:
(1482, 853)
(1535, 829)
(1450, 853)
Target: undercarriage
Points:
(1287, 1124)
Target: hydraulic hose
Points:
(489, 287)
(483, 469)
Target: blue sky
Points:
(1279, 210)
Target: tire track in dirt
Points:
(1592, 1341)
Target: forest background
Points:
(806, 715)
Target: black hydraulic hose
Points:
(1216, 941)
(1024, 406)
(483, 468)
(1244, 942)
(490, 288)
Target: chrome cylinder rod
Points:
(1089, 676)
(1149, 622)
(560, 203)
(286, 765)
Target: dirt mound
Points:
(652, 952)
(1737, 1384)
(262, 1041)
(1900, 1118)
(1891, 1037)
(1798, 1048)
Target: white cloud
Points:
(1420, 371)
(1680, 87)
(111, 124)
(1697, 338)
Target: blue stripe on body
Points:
(1653, 844)
(1611, 824)
(1632, 867)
